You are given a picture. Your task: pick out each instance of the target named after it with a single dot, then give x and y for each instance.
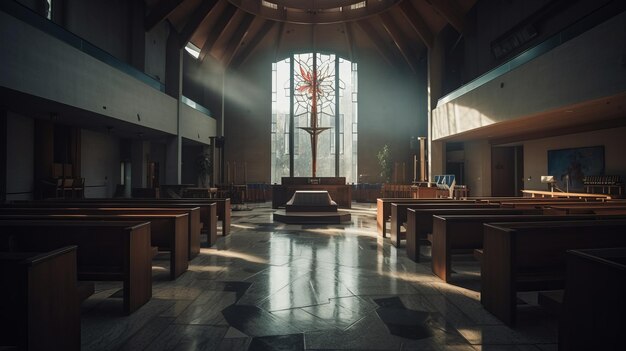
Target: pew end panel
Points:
(39, 302)
(593, 307)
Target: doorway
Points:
(507, 170)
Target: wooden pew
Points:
(383, 209)
(399, 214)
(106, 250)
(419, 223)
(194, 213)
(39, 305)
(223, 209)
(530, 256)
(587, 209)
(168, 232)
(593, 307)
(460, 232)
(539, 203)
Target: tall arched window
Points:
(337, 116)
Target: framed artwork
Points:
(570, 166)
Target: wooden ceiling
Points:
(230, 30)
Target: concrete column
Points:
(173, 65)
(137, 34)
(172, 160)
(173, 87)
(436, 154)
(140, 150)
(3, 155)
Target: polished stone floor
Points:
(273, 286)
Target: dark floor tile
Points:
(406, 323)
(238, 287)
(293, 342)
(390, 302)
(254, 321)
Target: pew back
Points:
(532, 256)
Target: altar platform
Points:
(335, 186)
(311, 206)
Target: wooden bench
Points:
(465, 232)
(531, 256)
(107, 251)
(585, 209)
(168, 232)
(399, 214)
(540, 203)
(383, 209)
(222, 210)
(39, 305)
(419, 223)
(194, 223)
(593, 310)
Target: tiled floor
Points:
(272, 286)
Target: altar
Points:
(337, 188)
(311, 206)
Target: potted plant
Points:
(204, 163)
(384, 160)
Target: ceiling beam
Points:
(378, 41)
(197, 16)
(279, 39)
(237, 40)
(417, 22)
(252, 43)
(215, 32)
(159, 12)
(347, 30)
(399, 39)
(451, 12)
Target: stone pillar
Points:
(137, 34)
(3, 155)
(140, 150)
(173, 87)
(173, 159)
(436, 154)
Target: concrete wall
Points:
(196, 125)
(478, 168)
(156, 41)
(470, 56)
(20, 157)
(536, 153)
(104, 23)
(585, 68)
(40, 65)
(100, 163)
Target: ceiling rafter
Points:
(417, 22)
(159, 12)
(399, 39)
(225, 18)
(451, 12)
(237, 39)
(195, 19)
(347, 30)
(241, 57)
(379, 42)
(279, 39)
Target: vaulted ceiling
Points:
(230, 30)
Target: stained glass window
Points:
(314, 96)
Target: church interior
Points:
(312, 175)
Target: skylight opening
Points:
(192, 50)
(358, 5)
(270, 5)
